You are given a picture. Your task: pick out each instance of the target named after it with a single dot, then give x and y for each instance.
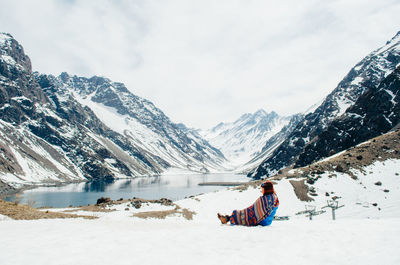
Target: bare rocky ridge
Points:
(375, 112)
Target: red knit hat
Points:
(268, 187)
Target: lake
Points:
(174, 187)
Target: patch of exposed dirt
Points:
(301, 190)
(25, 212)
(187, 214)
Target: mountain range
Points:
(242, 140)
(56, 129)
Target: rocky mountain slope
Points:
(61, 129)
(374, 113)
(242, 140)
(137, 119)
(367, 75)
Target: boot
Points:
(223, 218)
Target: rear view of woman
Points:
(262, 212)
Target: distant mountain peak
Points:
(64, 76)
(260, 112)
(242, 139)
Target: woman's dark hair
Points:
(268, 187)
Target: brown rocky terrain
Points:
(25, 212)
(187, 214)
(380, 148)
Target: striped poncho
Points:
(257, 212)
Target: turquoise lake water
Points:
(174, 187)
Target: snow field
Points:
(111, 241)
(171, 241)
(364, 197)
(360, 235)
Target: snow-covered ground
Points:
(362, 234)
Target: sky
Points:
(205, 62)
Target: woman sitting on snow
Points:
(260, 213)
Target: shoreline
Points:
(24, 187)
(11, 194)
(8, 190)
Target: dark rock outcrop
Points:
(374, 113)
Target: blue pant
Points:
(267, 221)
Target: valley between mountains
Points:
(66, 128)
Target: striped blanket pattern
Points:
(257, 212)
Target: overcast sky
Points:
(203, 62)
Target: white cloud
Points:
(207, 61)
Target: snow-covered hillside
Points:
(365, 232)
(243, 139)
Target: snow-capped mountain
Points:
(243, 139)
(271, 144)
(58, 129)
(146, 126)
(367, 75)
